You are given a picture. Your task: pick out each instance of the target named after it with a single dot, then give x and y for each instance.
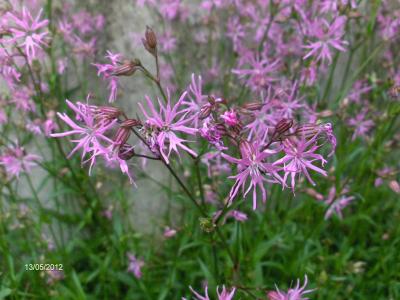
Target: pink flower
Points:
(135, 265)
(23, 99)
(327, 36)
(258, 72)
(252, 166)
(167, 42)
(230, 117)
(336, 205)
(222, 295)
(112, 158)
(212, 132)
(107, 71)
(196, 99)
(299, 157)
(361, 124)
(169, 232)
(169, 120)
(296, 293)
(91, 134)
(16, 161)
(26, 31)
(54, 276)
(236, 214)
(49, 126)
(84, 48)
(10, 74)
(225, 294)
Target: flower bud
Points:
(107, 113)
(253, 106)
(281, 128)
(129, 123)
(211, 100)
(150, 41)
(127, 68)
(126, 152)
(394, 186)
(205, 111)
(122, 136)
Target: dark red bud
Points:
(127, 68)
(108, 112)
(129, 123)
(150, 41)
(211, 100)
(126, 152)
(122, 136)
(253, 106)
(151, 38)
(205, 111)
(283, 125)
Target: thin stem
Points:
(157, 67)
(199, 181)
(156, 81)
(189, 194)
(146, 156)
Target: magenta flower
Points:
(230, 117)
(196, 99)
(112, 158)
(212, 132)
(16, 161)
(135, 265)
(9, 73)
(252, 167)
(361, 124)
(22, 98)
(259, 72)
(299, 157)
(107, 71)
(224, 294)
(54, 275)
(169, 232)
(236, 214)
(296, 293)
(337, 205)
(327, 36)
(169, 120)
(91, 134)
(27, 31)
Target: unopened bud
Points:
(211, 100)
(127, 68)
(122, 136)
(253, 106)
(307, 130)
(150, 41)
(205, 111)
(283, 125)
(394, 186)
(221, 128)
(107, 113)
(126, 152)
(129, 123)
